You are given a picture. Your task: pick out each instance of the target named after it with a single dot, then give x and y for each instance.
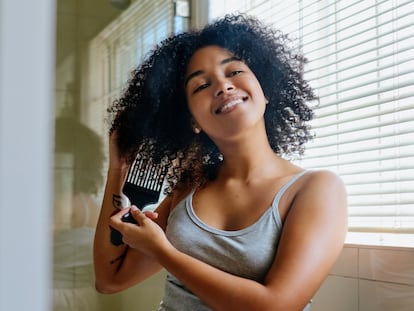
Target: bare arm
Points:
(311, 241)
(119, 267)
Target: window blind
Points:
(119, 48)
(361, 64)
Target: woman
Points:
(241, 228)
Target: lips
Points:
(229, 104)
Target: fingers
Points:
(139, 216)
(117, 221)
(151, 215)
(119, 213)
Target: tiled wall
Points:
(369, 278)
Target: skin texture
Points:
(227, 104)
(228, 81)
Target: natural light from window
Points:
(361, 63)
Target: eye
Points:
(235, 73)
(201, 87)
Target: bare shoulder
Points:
(322, 197)
(323, 177)
(320, 202)
(322, 185)
(179, 194)
(167, 205)
(163, 211)
(318, 217)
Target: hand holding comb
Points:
(143, 186)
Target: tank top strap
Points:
(286, 186)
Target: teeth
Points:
(230, 104)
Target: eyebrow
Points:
(200, 72)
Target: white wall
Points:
(26, 66)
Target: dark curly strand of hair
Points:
(152, 118)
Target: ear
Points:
(196, 128)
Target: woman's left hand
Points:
(146, 236)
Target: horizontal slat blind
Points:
(120, 47)
(361, 63)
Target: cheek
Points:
(198, 109)
(257, 90)
(199, 102)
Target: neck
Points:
(247, 159)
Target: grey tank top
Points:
(236, 252)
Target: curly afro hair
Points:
(152, 118)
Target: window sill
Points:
(383, 240)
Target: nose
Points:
(223, 86)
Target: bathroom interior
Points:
(360, 61)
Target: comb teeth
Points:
(144, 182)
(145, 174)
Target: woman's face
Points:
(223, 94)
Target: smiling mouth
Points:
(229, 105)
